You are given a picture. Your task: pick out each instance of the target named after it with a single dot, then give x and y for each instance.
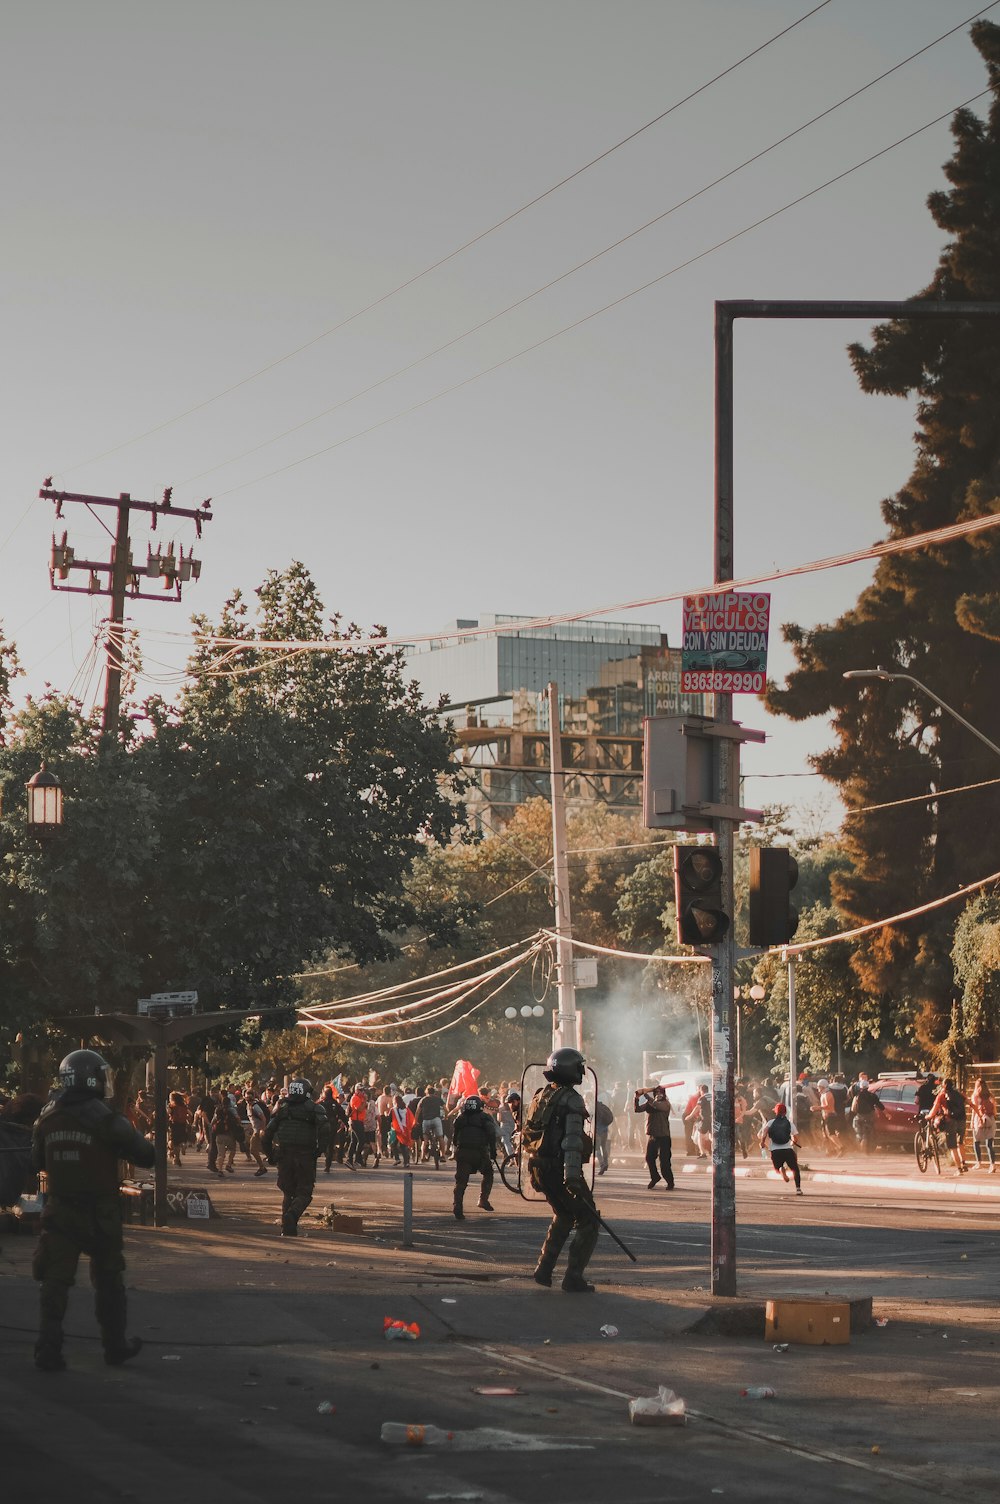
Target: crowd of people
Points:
(368, 1124)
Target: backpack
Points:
(539, 1130)
(603, 1116)
(780, 1131)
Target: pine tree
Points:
(933, 613)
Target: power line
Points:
(581, 265)
(443, 260)
(892, 546)
(606, 307)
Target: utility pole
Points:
(123, 576)
(566, 1025)
(727, 788)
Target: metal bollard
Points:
(408, 1209)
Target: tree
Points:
(975, 1028)
(933, 613)
(272, 814)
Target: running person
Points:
(780, 1135)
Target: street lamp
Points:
(526, 1012)
(45, 802)
(890, 674)
(755, 994)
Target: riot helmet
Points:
(300, 1087)
(566, 1067)
(472, 1104)
(84, 1070)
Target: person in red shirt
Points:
(357, 1111)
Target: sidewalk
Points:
(886, 1169)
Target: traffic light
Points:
(701, 919)
(773, 874)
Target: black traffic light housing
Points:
(773, 874)
(701, 919)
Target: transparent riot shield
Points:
(513, 1169)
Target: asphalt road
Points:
(247, 1335)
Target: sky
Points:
(192, 193)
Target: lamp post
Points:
(889, 674)
(744, 994)
(526, 1011)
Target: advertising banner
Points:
(725, 642)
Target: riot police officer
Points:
(475, 1142)
(295, 1137)
(78, 1141)
(557, 1146)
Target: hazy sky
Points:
(192, 192)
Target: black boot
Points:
(459, 1214)
(543, 1275)
(48, 1356)
(575, 1284)
(485, 1206)
(121, 1352)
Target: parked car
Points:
(896, 1126)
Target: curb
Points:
(961, 1186)
(939, 1186)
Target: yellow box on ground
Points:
(817, 1323)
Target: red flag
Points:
(465, 1080)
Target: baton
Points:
(595, 1215)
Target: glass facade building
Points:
(610, 676)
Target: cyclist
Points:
(430, 1118)
(926, 1092)
(948, 1115)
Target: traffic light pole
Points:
(727, 764)
(726, 793)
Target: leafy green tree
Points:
(932, 613)
(975, 1027)
(273, 813)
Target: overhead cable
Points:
(581, 265)
(458, 251)
(605, 308)
(892, 546)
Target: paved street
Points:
(246, 1335)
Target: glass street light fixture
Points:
(45, 802)
(890, 674)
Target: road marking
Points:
(811, 1454)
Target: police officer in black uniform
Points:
(557, 1145)
(296, 1136)
(475, 1142)
(78, 1141)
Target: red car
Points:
(898, 1123)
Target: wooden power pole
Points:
(120, 577)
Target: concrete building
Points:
(611, 675)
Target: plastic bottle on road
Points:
(400, 1435)
(758, 1392)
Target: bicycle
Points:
(508, 1166)
(927, 1145)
